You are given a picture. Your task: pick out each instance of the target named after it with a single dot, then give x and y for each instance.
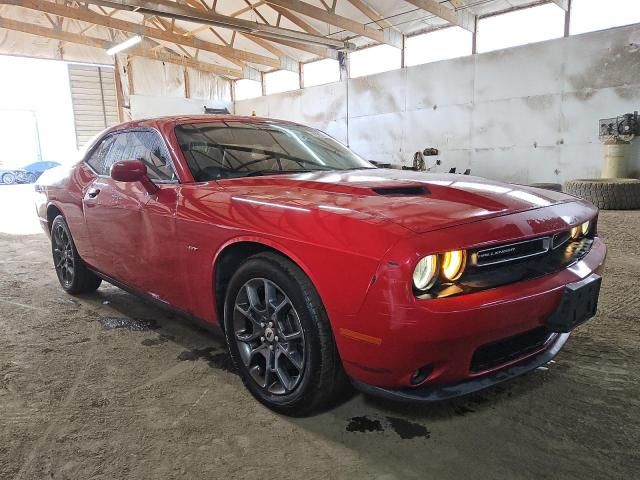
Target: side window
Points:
(118, 150)
(147, 147)
(153, 152)
(98, 158)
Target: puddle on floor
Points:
(405, 429)
(132, 324)
(364, 424)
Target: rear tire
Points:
(280, 338)
(73, 274)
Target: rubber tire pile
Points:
(607, 193)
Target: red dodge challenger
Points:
(321, 268)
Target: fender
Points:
(267, 243)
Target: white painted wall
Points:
(159, 89)
(525, 114)
(150, 106)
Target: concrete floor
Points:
(81, 399)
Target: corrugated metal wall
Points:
(93, 95)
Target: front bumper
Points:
(391, 337)
(436, 393)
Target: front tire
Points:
(73, 274)
(280, 338)
(8, 179)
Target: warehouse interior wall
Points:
(151, 88)
(185, 89)
(523, 114)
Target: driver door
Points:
(133, 231)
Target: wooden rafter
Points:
(89, 16)
(312, 49)
(255, 10)
(563, 4)
(246, 9)
(365, 8)
(86, 40)
(170, 26)
(181, 12)
(330, 18)
(457, 4)
(266, 45)
(461, 18)
(297, 21)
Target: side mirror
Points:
(133, 171)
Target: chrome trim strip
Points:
(546, 245)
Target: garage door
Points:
(93, 95)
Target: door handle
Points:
(93, 193)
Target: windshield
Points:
(237, 149)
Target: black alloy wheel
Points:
(280, 338)
(73, 274)
(269, 336)
(63, 255)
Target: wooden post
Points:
(300, 75)
(130, 75)
(119, 97)
(187, 87)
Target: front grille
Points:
(498, 353)
(478, 277)
(511, 252)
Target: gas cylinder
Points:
(615, 162)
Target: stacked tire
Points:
(607, 193)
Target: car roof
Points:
(182, 119)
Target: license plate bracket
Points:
(579, 303)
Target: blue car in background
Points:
(11, 176)
(34, 170)
(27, 174)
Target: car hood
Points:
(419, 201)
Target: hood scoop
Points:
(407, 190)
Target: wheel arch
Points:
(52, 212)
(233, 253)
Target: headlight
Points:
(575, 232)
(426, 272)
(453, 264)
(585, 227)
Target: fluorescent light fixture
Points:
(128, 43)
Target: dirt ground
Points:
(105, 386)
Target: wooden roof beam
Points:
(180, 12)
(461, 18)
(300, 23)
(89, 16)
(563, 4)
(365, 8)
(32, 29)
(331, 18)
